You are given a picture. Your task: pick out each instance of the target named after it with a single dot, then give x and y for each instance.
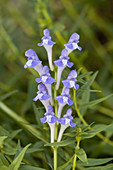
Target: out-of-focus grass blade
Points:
(94, 102)
(22, 122)
(5, 96)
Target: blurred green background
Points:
(21, 27)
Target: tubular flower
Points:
(33, 61)
(51, 119)
(48, 44)
(62, 62)
(73, 43)
(46, 79)
(63, 99)
(71, 80)
(42, 95)
(65, 122)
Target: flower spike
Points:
(73, 43)
(48, 44)
(42, 95)
(61, 63)
(51, 119)
(33, 61)
(65, 122)
(71, 80)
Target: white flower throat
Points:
(72, 83)
(44, 78)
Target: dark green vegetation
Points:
(21, 25)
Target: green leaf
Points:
(94, 102)
(27, 167)
(88, 84)
(105, 167)
(39, 112)
(4, 168)
(94, 162)
(38, 146)
(16, 163)
(66, 164)
(5, 96)
(92, 133)
(48, 158)
(62, 143)
(3, 160)
(22, 122)
(81, 154)
(85, 74)
(2, 138)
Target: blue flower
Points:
(71, 80)
(62, 62)
(51, 119)
(48, 44)
(49, 116)
(63, 99)
(45, 76)
(42, 95)
(33, 61)
(46, 79)
(73, 43)
(65, 122)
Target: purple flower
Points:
(46, 79)
(45, 76)
(49, 116)
(51, 119)
(71, 80)
(63, 99)
(73, 43)
(42, 95)
(33, 61)
(48, 44)
(62, 62)
(65, 122)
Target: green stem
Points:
(75, 157)
(55, 158)
(56, 125)
(86, 124)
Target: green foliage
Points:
(16, 162)
(20, 117)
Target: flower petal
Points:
(70, 102)
(43, 120)
(38, 80)
(67, 83)
(59, 63)
(50, 80)
(31, 54)
(62, 121)
(45, 97)
(72, 124)
(70, 64)
(59, 99)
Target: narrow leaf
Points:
(16, 163)
(81, 154)
(62, 143)
(94, 102)
(2, 138)
(94, 162)
(65, 165)
(5, 96)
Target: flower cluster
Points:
(44, 93)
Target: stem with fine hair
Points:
(75, 157)
(55, 104)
